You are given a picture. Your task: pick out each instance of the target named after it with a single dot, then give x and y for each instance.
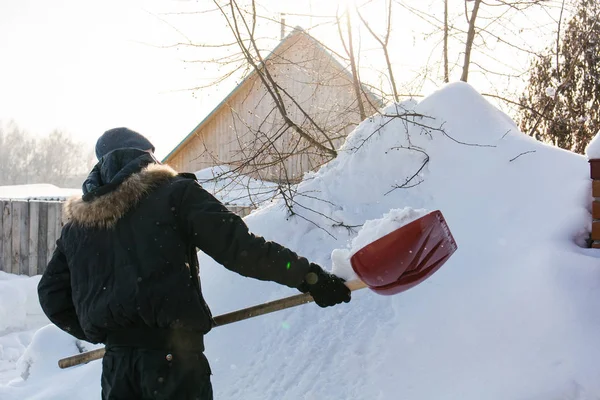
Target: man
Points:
(125, 270)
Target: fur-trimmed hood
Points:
(104, 211)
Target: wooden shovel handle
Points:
(220, 320)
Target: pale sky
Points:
(76, 66)
(86, 67)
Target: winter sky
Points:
(85, 67)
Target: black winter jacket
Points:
(126, 259)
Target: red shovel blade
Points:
(405, 257)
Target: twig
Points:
(405, 184)
(525, 152)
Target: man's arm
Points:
(54, 292)
(224, 236)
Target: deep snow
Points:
(512, 315)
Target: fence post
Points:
(595, 175)
(2, 240)
(7, 236)
(592, 152)
(34, 226)
(15, 234)
(43, 238)
(28, 233)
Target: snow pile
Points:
(512, 315)
(592, 151)
(370, 232)
(48, 344)
(39, 362)
(235, 189)
(19, 305)
(13, 302)
(12, 347)
(20, 316)
(41, 191)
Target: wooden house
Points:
(247, 129)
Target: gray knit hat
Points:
(119, 138)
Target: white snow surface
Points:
(37, 191)
(592, 151)
(512, 315)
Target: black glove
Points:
(327, 289)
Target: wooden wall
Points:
(28, 234)
(248, 120)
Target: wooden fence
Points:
(28, 233)
(29, 230)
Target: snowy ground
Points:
(512, 315)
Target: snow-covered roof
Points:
(592, 151)
(38, 191)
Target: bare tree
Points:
(470, 37)
(446, 29)
(61, 160)
(384, 42)
(17, 149)
(286, 131)
(349, 48)
(56, 159)
(562, 101)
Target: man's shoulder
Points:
(184, 181)
(187, 175)
(185, 178)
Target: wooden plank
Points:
(595, 169)
(595, 209)
(596, 188)
(7, 228)
(24, 237)
(58, 223)
(51, 242)
(596, 230)
(43, 238)
(16, 237)
(34, 224)
(1, 235)
(314, 79)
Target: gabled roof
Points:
(297, 30)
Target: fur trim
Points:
(105, 211)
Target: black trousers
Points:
(130, 373)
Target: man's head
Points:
(119, 138)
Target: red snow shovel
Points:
(391, 264)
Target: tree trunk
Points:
(361, 107)
(470, 38)
(446, 72)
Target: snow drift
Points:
(512, 315)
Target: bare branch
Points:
(470, 38)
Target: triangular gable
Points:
(252, 74)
